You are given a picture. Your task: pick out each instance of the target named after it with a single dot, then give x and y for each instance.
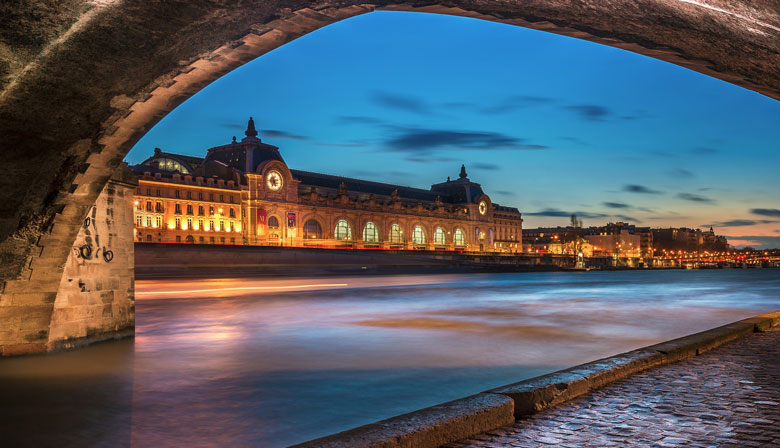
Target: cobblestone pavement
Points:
(728, 397)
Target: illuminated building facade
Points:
(244, 193)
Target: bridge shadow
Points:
(74, 399)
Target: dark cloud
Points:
(274, 133)
(592, 112)
(765, 212)
(411, 140)
(516, 102)
(640, 189)
(505, 193)
(400, 102)
(484, 166)
(616, 205)
(344, 145)
(704, 150)
(679, 172)
(638, 115)
(575, 140)
(732, 223)
(694, 198)
(425, 159)
(757, 241)
(555, 213)
(234, 126)
(627, 218)
(357, 119)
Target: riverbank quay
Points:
(176, 261)
(728, 397)
(677, 394)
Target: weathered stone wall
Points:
(90, 297)
(95, 299)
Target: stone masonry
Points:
(728, 397)
(91, 297)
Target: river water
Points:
(272, 362)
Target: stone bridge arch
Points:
(82, 80)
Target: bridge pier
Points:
(54, 306)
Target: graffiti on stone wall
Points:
(96, 237)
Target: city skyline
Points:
(548, 124)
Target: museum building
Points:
(244, 193)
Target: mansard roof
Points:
(310, 179)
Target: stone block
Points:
(32, 298)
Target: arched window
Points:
(273, 222)
(312, 230)
(396, 237)
(370, 233)
(343, 230)
(418, 236)
(439, 238)
(460, 239)
(190, 239)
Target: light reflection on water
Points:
(275, 362)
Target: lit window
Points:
(418, 236)
(396, 236)
(148, 221)
(343, 230)
(370, 233)
(222, 226)
(178, 223)
(273, 223)
(200, 224)
(139, 221)
(459, 238)
(439, 238)
(312, 230)
(159, 222)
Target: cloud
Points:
(627, 218)
(400, 102)
(234, 126)
(694, 198)
(757, 241)
(428, 159)
(509, 193)
(732, 223)
(575, 140)
(411, 140)
(353, 144)
(765, 212)
(591, 112)
(640, 189)
(704, 150)
(638, 115)
(616, 205)
(516, 102)
(679, 172)
(555, 213)
(357, 119)
(274, 133)
(484, 166)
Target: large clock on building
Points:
(482, 207)
(274, 180)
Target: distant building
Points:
(681, 239)
(244, 193)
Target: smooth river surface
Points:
(272, 362)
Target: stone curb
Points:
(467, 417)
(429, 427)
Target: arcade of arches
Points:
(80, 83)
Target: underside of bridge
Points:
(82, 80)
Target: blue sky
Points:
(549, 124)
